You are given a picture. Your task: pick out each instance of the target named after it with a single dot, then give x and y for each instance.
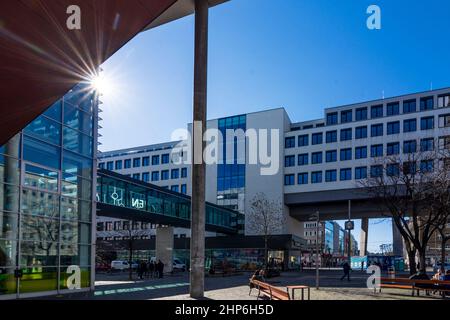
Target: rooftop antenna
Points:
(382, 94)
(431, 86)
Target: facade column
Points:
(197, 272)
(364, 236)
(397, 241)
(164, 247)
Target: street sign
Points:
(349, 225)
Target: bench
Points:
(415, 285)
(269, 291)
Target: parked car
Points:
(178, 265)
(119, 265)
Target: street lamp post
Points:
(317, 219)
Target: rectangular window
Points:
(426, 166)
(165, 158)
(376, 150)
(146, 176)
(332, 118)
(409, 106)
(289, 142)
(376, 171)
(346, 116)
(346, 174)
(393, 170)
(444, 121)
(409, 168)
(175, 188)
(137, 176)
(427, 144)
(361, 132)
(346, 154)
(331, 136)
(360, 152)
(303, 178)
(376, 130)
(393, 109)
(127, 163)
(155, 176)
(303, 140)
(184, 172)
(165, 175)
(289, 161)
(427, 123)
(331, 156)
(360, 173)
(410, 125)
(444, 101)
(136, 162)
(316, 158)
(317, 138)
(184, 189)
(316, 177)
(330, 175)
(119, 165)
(426, 103)
(376, 112)
(145, 161)
(346, 134)
(393, 127)
(175, 174)
(361, 114)
(101, 165)
(393, 148)
(409, 146)
(155, 160)
(303, 159)
(289, 180)
(110, 165)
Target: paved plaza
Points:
(176, 287)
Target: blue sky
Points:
(301, 55)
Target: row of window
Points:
(136, 162)
(392, 109)
(376, 130)
(358, 174)
(160, 175)
(346, 154)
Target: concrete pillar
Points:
(364, 236)
(397, 241)
(164, 247)
(197, 273)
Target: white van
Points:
(119, 265)
(178, 265)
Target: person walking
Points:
(151, 269)
(160, 268)
(346, 268)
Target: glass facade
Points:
(231, 174)
(46, 187)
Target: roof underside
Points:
(41, 59)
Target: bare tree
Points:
(265, 218)
(405, 185)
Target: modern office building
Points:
(47, 192)
(321, 162)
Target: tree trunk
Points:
(130, 257)
(422, 261)
(266, 253)
(412, 262)
(443, 243)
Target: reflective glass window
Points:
(45, 129)
(41, 153)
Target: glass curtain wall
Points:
(46, 183)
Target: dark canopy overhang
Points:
(41, 59)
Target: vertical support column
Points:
(397, 241)
(164, 247)
(197, 273)
(364, 236)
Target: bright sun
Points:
(102, 84)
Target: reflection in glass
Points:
(8, 283)
(82, 188)
(75, 209)
(39, 229)
(72, 231)
(45, 129)
(38, 253)
(41, 153)
(8, 250)
(9, 170)
(77, 165)
(37, 278)
(41, 178)
(40, 203)
(77, 142)
(85, 277)
(75, 254)
(8, 226)
(54, 111)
